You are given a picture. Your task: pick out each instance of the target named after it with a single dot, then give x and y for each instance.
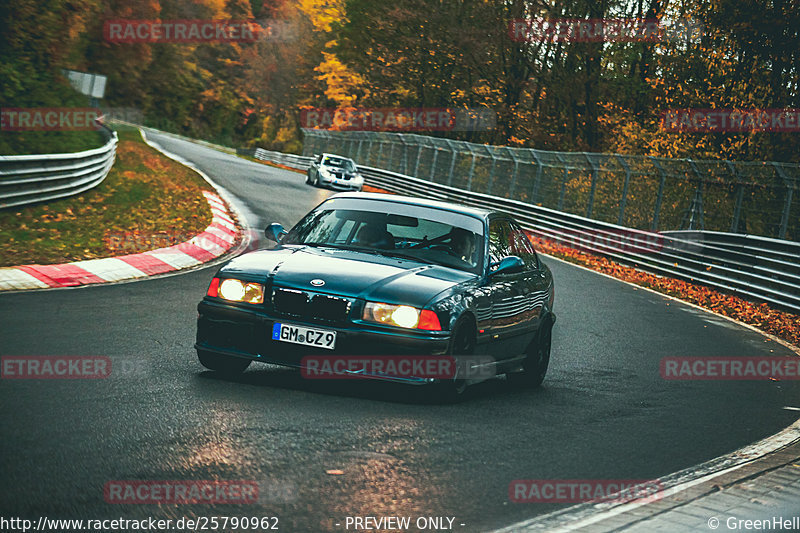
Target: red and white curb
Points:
(218, 238)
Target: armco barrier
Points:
(755, 268)
(290, 160)
(27, 179)
(643, 192)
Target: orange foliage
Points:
(760, 315)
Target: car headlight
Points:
(236, 290)
(324, 172)
(403, 316)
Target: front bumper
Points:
(342, 184)
(246, 333)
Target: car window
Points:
(338, 162)
(429, 241)
(499, 240)
(521, 246)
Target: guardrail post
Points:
(538, 179)
(369, 151)
(563, 192)
(326, 144)
(391, 155)
(695, 213)
(660, 196)
(358, 152)
(491, 172)
(452, 162)
(624, 200)
(321, 143)
(786, 206)
(405, 152)
(590, 201)
(737, 208)
(471, 167)
(419, 156)
(513, 185)
(379, 162)
(433, 164)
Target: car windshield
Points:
(448, 241)
(341, 163)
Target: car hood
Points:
(348, 273)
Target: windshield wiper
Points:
(323, 245)
(373, 251)
(393, 253)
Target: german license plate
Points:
(316, 338)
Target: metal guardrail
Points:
(290, 160)
(643, 192)
(755, 268)
(27, 179)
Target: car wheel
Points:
(462, 343)
(222, 363)
(535, 365)
(308, 177)
(316, 181)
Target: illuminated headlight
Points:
(241, 291)
(324, 172)
(403, 316)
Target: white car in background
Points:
(335, 171)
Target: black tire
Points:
(222, 363)
(537, 361)
(461, 343)
(308, 177)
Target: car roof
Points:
(421, 202)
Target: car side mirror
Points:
(508, 265)
(275, 232)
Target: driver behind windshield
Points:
(374, 235)
(462, 242)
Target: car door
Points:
(510, 315)
(535, 284)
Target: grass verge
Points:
(147, 201)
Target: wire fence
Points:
(648, 193)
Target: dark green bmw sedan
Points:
(376, 278)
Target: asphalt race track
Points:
(604, 411)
